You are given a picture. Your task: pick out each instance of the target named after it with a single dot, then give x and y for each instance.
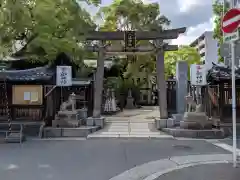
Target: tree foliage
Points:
(184, 53)
(132, 15)
(218, 13)
(44, 27)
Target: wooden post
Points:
(161, 83)
(98, 84)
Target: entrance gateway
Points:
(130, 37)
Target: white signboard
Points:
(64, 76)
(231, 37)
(198, 75)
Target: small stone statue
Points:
(129, 93)
(190, 102)
(70, 102)
(196, 119)
(130, 100)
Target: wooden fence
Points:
(218, 102)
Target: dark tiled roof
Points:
(35, 74)
(220, 73)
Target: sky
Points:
(196, 15)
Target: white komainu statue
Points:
(70, 102)
(190, 102)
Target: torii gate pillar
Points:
(161, 84)
(98, 83)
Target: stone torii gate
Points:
(158, 47)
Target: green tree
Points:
(44, 27)
(218, 13)
(184, 53)
(133, 15)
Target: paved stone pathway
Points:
(132, 123)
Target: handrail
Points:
(40, 135)
(49, 92)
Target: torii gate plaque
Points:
(158, 47)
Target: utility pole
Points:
(234, 100)
(223, 12)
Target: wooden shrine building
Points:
(31, 94)
(218, 95)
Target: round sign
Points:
(231, 20)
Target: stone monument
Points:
(181, 90)
(130, 100)
(181, 85)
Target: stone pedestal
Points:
(93, 121)
(195, 120)
(130, 103)
(83, 113)
(66, 118)
(178, 118)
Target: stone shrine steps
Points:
(128, 129)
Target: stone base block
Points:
(74, 132)
(52, 132)
(93, 121)
(177, 118)
(195, 125)
(83, 131)
(66, 123)
(195, 116)
(161, 123)
(90, 121)
(100, 122)
(190, 125)
(170, 123)
(82, 113)
(190, 133)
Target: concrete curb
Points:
(154, 169)
(160, 173)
